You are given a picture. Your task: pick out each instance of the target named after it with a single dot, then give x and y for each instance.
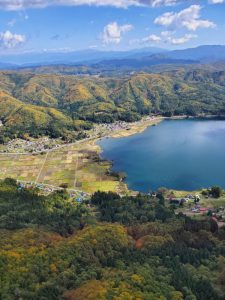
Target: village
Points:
(47, 189)
(45, 144)
(31, 145)
(200, 205)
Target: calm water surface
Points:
(178, 154)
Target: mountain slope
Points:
(55, 104)
(19, 118)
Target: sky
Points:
(68, 25)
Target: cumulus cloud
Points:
(182, 40)
(188, 18)
(152, 38)
(11, 40)
(23, 4)
(112, 33)
(168, 37)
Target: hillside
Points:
(131, 248)
(20, 119)
(56, 104)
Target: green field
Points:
(76, 166)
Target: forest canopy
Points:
(109, 247)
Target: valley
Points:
(112, 150)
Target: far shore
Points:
(140, 126)
(127, 129)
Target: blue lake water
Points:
(177, 154)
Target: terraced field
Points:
(76, 166)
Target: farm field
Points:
(76, 166)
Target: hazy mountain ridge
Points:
(71, 57)
(137, 58)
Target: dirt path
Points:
(42, 167)
(75, 175)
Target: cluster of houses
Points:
(180, 201)
(218, 214)
(46, 189)
(105, 127)
(33, 146)
(197, 208)
(77, 196)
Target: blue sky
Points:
(58, 25)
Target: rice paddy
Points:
(76, 166)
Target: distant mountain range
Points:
(137, 59)
(203, 54)
(140, 63)
(199, 55)
(82, 56)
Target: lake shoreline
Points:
(141, 127)
(109, 181)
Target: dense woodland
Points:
(65, 106)
(109, 247)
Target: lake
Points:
(177, 154)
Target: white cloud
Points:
(152, 38)
(24, 4)
(168, 37)
(216, 1)
(188, 18)
(11, 40)
(156, 3)
(182, 40)
(112, 33)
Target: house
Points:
(184, 200)
(175, 201)
(197, 197)
(190, 196)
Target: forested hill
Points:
(107, 248)
(58, 105)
